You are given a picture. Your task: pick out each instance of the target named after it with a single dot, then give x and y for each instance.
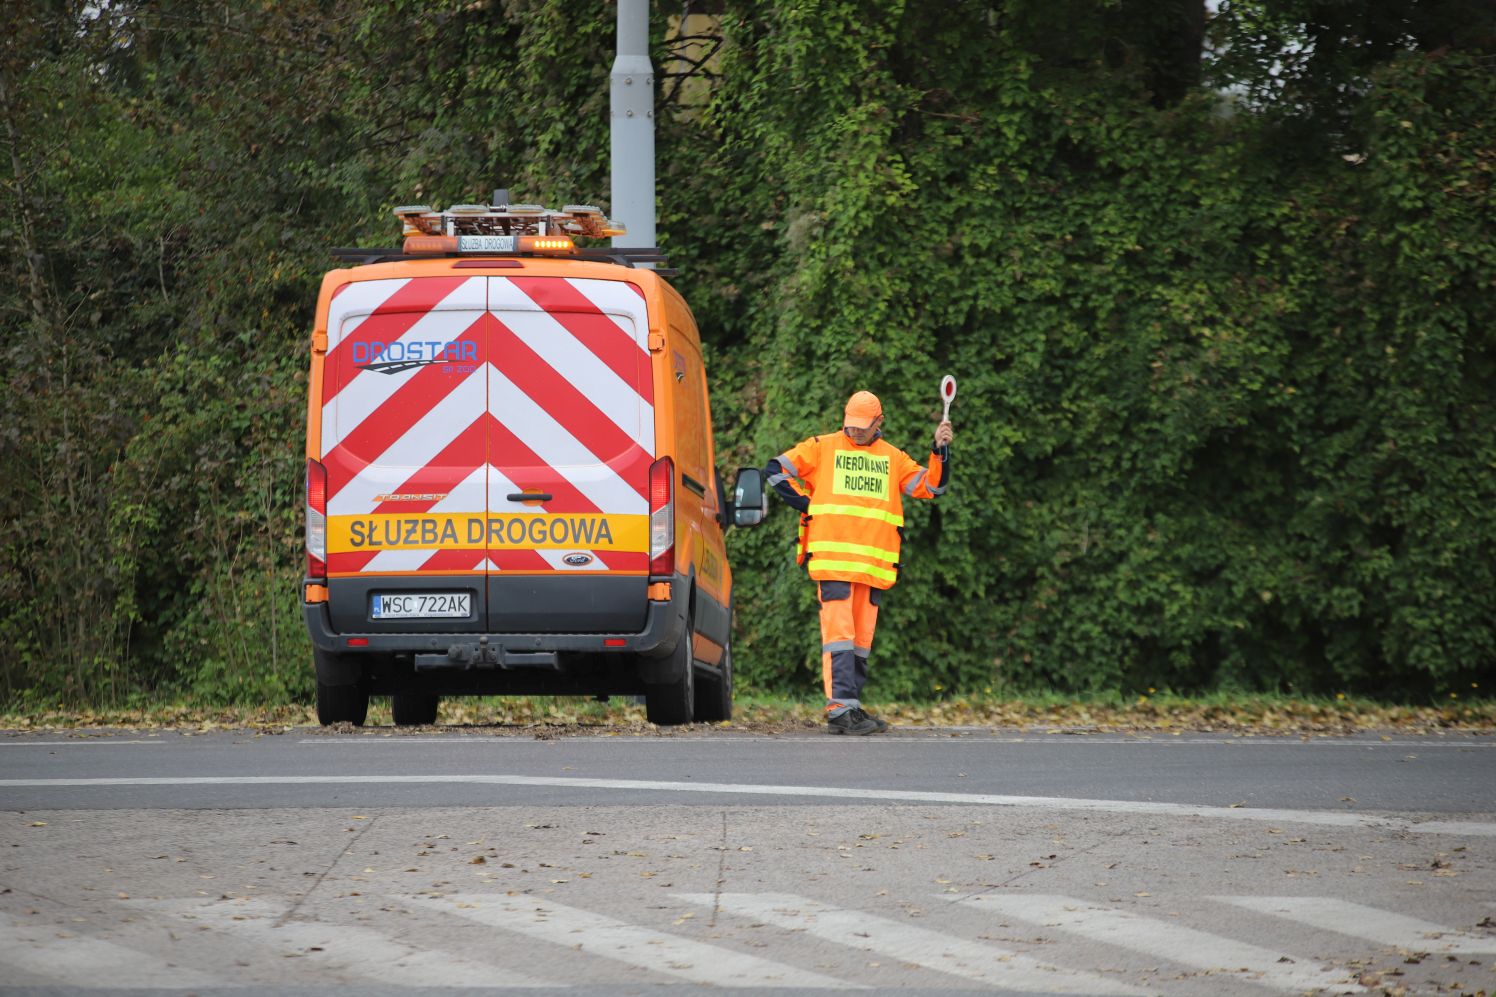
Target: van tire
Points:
(342, 704)
(714, 693)
(413, 709)
(671, 703)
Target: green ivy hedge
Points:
(1224, 334)
(1226, 418)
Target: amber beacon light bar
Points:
(504, 229)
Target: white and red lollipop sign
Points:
(948, 395)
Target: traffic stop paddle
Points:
(948, 395)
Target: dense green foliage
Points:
(1225, 327)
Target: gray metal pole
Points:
(631, 99)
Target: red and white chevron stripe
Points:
(555, 395)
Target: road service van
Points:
(511, 484)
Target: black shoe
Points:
(854, 721)
(882, 724)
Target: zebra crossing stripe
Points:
(342, 948)
(983, 962)
(33, 947)
(645, 948)
(1370, 923)
(1151, 936)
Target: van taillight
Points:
(662, 517)
(316, 519)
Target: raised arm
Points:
(927, 483)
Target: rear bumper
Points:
(664, 625)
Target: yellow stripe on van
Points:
(496, 531)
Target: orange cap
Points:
(863, 409)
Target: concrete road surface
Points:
(922, 861)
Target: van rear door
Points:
(570, 441)
(404, 441)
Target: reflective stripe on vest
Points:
(827, 509)
(853, 567)
(838, 547)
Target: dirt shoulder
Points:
(564, 717)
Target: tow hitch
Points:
(483, 655)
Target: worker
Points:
(849, 494)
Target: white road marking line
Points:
(1161, 939)
(655, 951)
(89, 962)
(1329, 818)
(1346, 918)
(345, 948)
(72, 744)
(981, 961)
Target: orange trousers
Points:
(849, 615)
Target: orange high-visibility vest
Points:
(856, 505)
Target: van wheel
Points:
(413, 709)
(342, 704)
(714, 693)
(672, 703)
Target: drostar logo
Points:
(407, 354)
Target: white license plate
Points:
(421, 606)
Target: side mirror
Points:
(750, 503)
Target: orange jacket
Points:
(855, 511)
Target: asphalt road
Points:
(1410, 775)
(922, 861)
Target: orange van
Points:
(511, 480)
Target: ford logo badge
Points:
(577, 560)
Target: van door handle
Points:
(530, 497)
